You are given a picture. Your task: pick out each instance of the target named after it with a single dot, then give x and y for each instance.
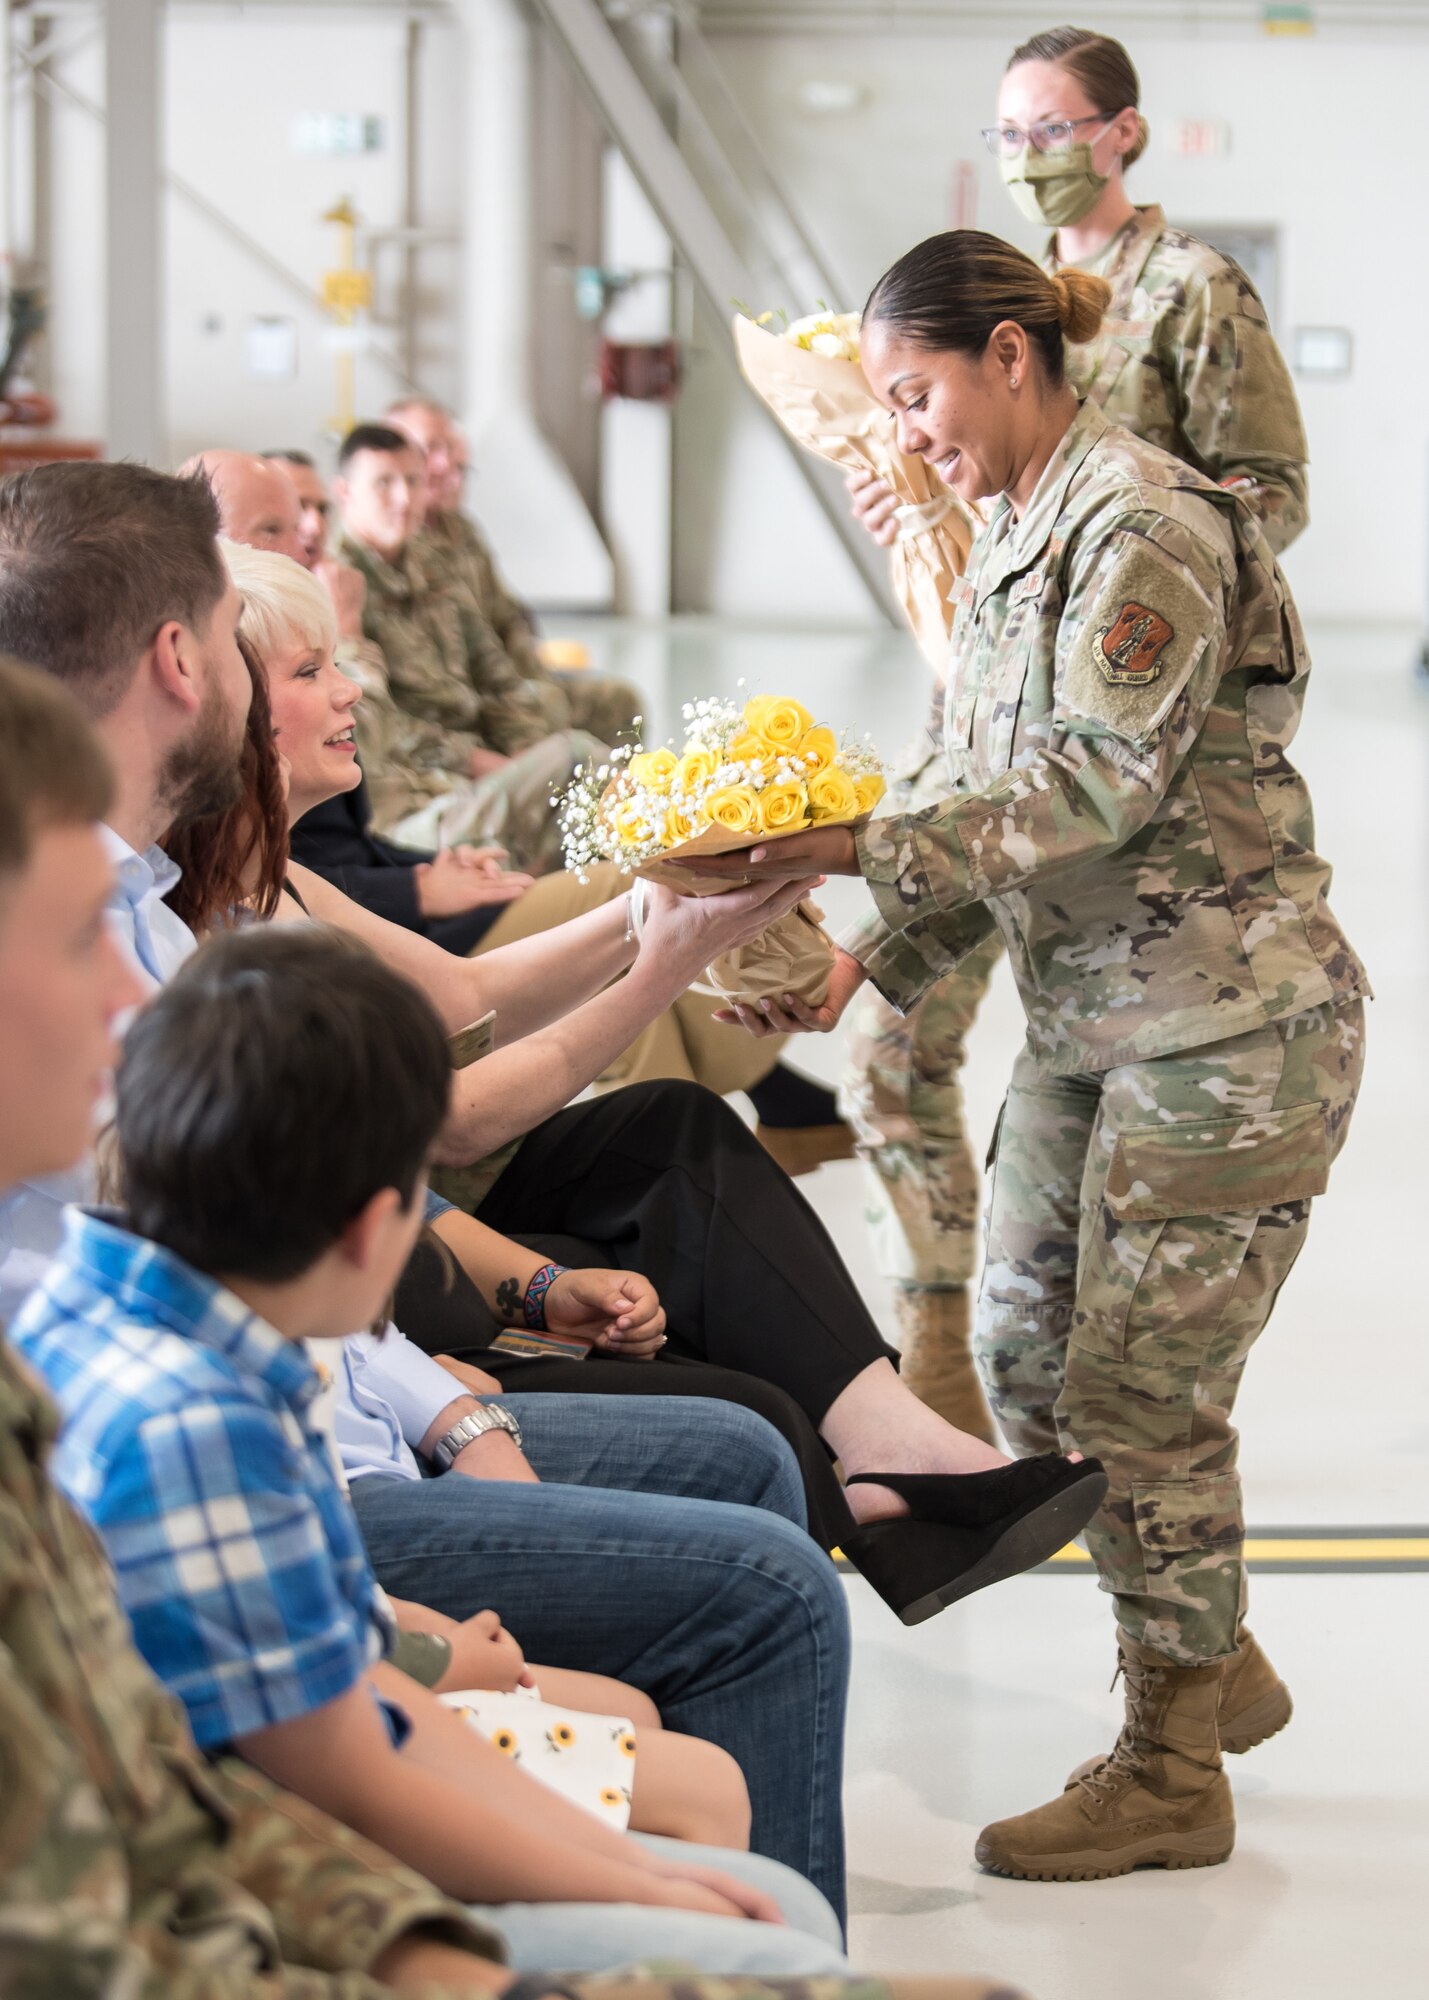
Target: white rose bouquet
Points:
(757, 773)
(810, 376)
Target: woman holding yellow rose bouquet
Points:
(1125, 679)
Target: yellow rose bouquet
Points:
(810, 376)
(757, 773)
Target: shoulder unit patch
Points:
(1128, 652)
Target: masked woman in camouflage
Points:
(1184, 357)
(1125, 677)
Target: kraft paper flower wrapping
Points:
(744, 776)
(822, 399)
(795, 955)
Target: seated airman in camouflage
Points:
(453, 552)
(455, 745)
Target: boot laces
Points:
(1126, 1760)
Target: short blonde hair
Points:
(281, 600)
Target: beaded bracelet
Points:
(533, 1306)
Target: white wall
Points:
(235, 83)
(1325, 144)
(234, 87)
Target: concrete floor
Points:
(979, 1713)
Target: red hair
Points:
(217, 854)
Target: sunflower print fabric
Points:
(588, 1759)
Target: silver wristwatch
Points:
(490, 1417)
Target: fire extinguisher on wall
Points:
(639, 371)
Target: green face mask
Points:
(1059, 189)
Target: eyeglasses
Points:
(1054, 136)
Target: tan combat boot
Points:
(803, 1149)
(934, 1338)
(1255, 1703)
(1161, 1800)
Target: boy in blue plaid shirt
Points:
(277, 1104)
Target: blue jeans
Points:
(596, 1937)
(622, 1563)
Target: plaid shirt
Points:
(186, 1440)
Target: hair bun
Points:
(1082, 301)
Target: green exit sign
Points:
(1286, 17)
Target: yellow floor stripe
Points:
(1323, 1551)
(1333, 1549)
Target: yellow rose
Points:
(817, 749)
(783, 808)
(694, 771)
(835, 334)
(653, 770)
(778, 720)
(682, 823)
(832, 794)
(632, 829)
(869, 790)
(754, 751)
(735, 808)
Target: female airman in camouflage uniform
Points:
(1185, 359)
(1126, 675)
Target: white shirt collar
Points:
(156, 937)
(139, 876)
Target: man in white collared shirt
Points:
(166, 689)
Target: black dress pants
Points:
(664, 1179)
(447, 1315)
(668, 1181)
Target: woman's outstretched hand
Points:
(693, 931)
(823, 850)
(795, 1016)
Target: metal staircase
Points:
(667, 107)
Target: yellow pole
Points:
(346, 291)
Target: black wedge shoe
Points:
(965, 1531)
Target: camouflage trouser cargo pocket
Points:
(1143, 1222)
(604, 707)
(510, 807)
(1159, 1248)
